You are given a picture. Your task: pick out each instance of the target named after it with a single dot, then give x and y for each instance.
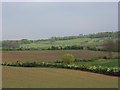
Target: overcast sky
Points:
(43, 20)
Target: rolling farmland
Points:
(59, 45)
(45, 70)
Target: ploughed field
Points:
(19, 77)
(48, 55)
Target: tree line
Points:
(95, 35)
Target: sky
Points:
(0, 21)
(40, 20)
(59, 0)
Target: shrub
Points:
(68, 58)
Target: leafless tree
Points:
(110, 46)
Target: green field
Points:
(101, 62)
(91, 42)
(16, 77)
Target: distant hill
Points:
(90, 41)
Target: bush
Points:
(68, 58)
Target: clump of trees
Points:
(110, 46)
(10, 44)
(68, 58)
(52, 39)
(15, 44)
(25, 41)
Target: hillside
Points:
(89, 42)
(86, 42)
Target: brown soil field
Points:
(1, 77)
(45, 55)
(19, 77)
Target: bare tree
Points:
(110, 46)
(52, 39)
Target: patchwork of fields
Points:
(14, 77)
(59, 45)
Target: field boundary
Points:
(95, 69)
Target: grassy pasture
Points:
(46, 55)
(101, 62)
(15, 77)
(91, 42)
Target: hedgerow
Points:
(114, 71)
